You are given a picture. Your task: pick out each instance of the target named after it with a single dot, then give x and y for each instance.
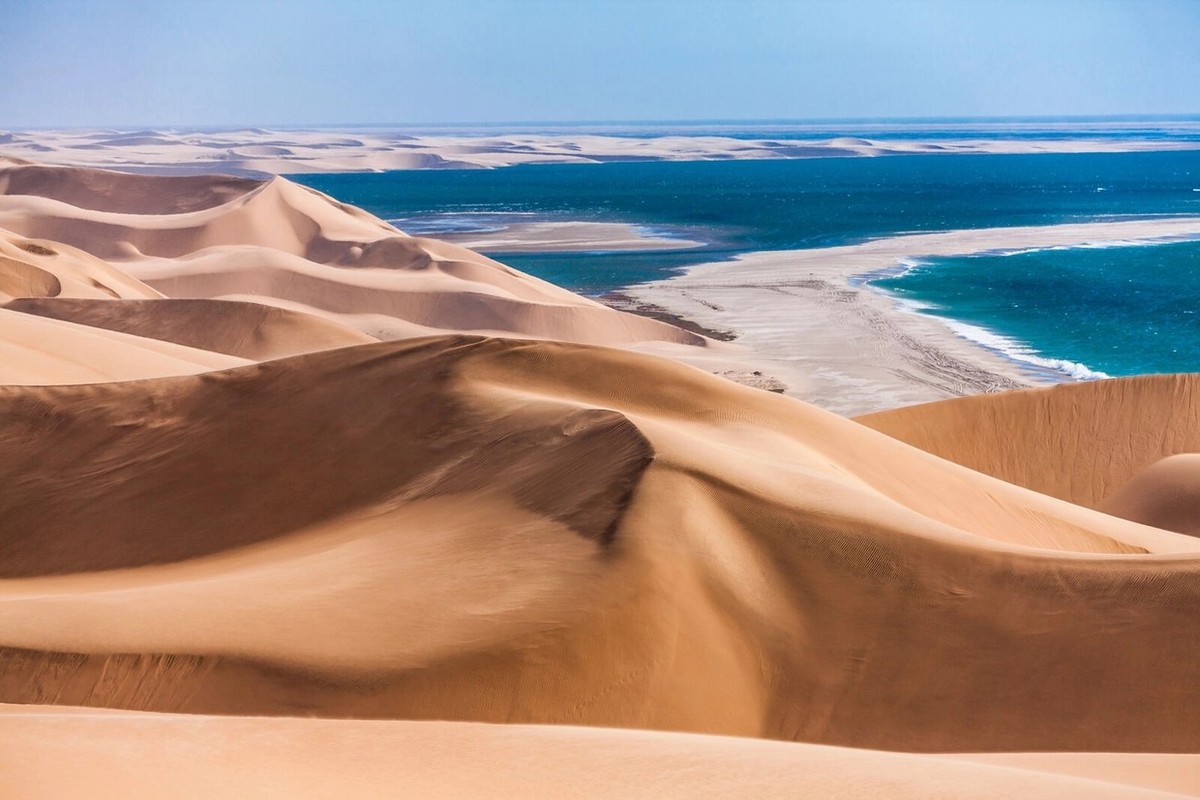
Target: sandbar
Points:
(812, 322)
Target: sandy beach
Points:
(256, 151)
(842, 345)
(296, 504)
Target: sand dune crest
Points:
(37, 351)
(211, 237)
(750, 579)
(119, 192)
(386, 415)
(35, 269)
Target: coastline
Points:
(803, 322)
(810, 324)
(856, 349)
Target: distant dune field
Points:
(254, 151)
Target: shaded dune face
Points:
(1165, 494)
(19, 279)
(37, 269)
(147, 473)
(247, 330)
(504, 531)
(123, 193)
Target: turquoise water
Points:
(1089, 312)
(1101, 308)
(742, 206)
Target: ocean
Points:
(1117, 310)
(1089, 311)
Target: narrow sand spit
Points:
(293, 503)
(806, 313)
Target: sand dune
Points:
(263, 152)
(734, 584)
(1165, 494)
(246, 330)
(120, 192)
(226, 507)
(282, 242)
(66, 753)
(1175, 772)
(35, 351)
(1078, 441)
(30, 268)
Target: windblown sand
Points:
(296, 505)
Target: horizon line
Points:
(722, 121)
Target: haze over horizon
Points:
(371, 62)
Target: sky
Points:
(164, 63)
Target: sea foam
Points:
(1018, 351)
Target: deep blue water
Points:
(742, 206)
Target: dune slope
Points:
(122, 192)
(31, 268)
(1077, 441)
(211, 237)
(38, 351)
(1165, 494)
(246, 330)
(69, 753)
(774, 571)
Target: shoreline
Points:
(857, 349)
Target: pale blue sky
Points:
(230, 62)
